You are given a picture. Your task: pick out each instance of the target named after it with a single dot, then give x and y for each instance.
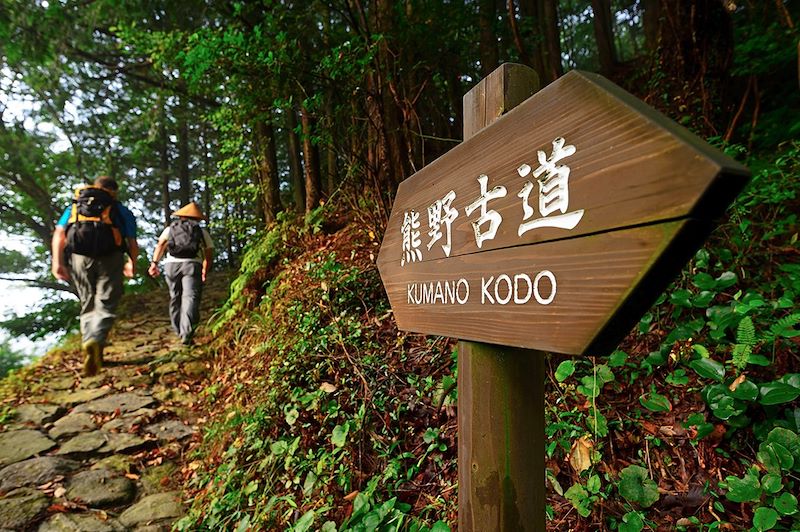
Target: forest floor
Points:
(105, 453)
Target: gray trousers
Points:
(99, 282)
(185, 283)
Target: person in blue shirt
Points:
(97, 279)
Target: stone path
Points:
(105, 453)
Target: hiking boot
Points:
(93, 360)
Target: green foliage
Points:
(10, 359)
(637, 487)
(54, 317)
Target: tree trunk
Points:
(532, 34)
(650, 18)
(296, 177)
(604, 35)
(184, 178)
(489, 53)
(330, 148)
(267, 171)
(552, 58)
(313, 194)
(164, 165)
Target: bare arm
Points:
(208, 258)
(57, 245)
(157, 254)
(133, 252)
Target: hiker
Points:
(88, 246)
(189, 252)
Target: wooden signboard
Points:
(555, 227)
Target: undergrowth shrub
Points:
(328, 418)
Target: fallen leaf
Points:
(327, 387)
(132, 476)
(580, 456)
(350, 496)
(737, 381)
(59, 492)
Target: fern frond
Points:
(746, 332)
(783, 328)
(740, 356)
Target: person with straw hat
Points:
(189, 250)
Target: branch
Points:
(41, 283)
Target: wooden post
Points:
(501, 471)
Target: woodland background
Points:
(292, 123)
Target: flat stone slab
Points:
(35, 471)
(38, 414)
(70, 399)
(59, 383)
(85, 442)
(120, 442)
(153, 508)
(21, 506)
(120, 463)
(125, 402)
(72, 424)
(100, 488)
(171, 429)
(18, 445)
(87, 522)
(127, 421)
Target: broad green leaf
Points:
(776, 393)
(708, 368)
(772, 483)
(726, 280)
(765, 519)
(305, 522)
(564, 370)
(637, 487)
(775, 457)
(339, 435)
(746, 391)
(579, 497)
(631, 522)
(617, 358)
(704, 281)
(440, 526)
(785, 504)
(788, 439)
(745, 489)
(655, 402)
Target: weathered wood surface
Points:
(500, 389)
(594, 281)
(634, 174)
(501, 473)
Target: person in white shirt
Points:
(189, 252)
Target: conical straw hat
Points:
(190, 210)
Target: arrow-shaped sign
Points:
(558, 225)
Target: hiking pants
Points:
(99, 284)
(185, 283)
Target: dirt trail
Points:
(105, 453)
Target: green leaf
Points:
(305, 522)
(776, 393)
(704, 281)
(655, 402)
(564, 370)
(745, 489)
(772, 483)
(775, 457)
(726, 280)
(785, 504)
(339, 435)
(637, 487)
(746, 391)
(440, 526)
(617, 358)
(787, 439)
(765, 519)
(708, 368)
(631, 522)
(579, 498)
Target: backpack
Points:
(90, 228)
(185, 237)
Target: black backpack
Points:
(90, 228)
(185, 237)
